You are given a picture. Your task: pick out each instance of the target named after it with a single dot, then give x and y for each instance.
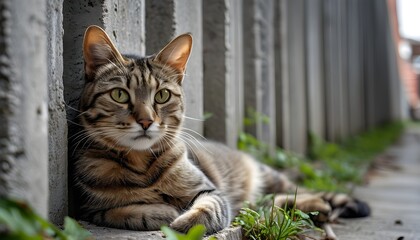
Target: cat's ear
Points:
(176, 53)
(98, 49)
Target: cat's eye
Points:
(162, 96)
(119, 95)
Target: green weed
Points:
(273, 222)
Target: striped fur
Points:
(135, 170)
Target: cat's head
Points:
(129, 102)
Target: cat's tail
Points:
(345, 206)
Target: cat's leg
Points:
(136, 216)
(210, 209)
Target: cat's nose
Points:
(145, 123)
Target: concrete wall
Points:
(23, 102)
(320, 66)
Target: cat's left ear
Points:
(176, 53)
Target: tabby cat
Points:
(135, 172)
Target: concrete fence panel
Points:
(223, 82)
(259, 72)
(355, 76)
(57, 123)
(314, 67)
(294, 76)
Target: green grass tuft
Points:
(273, 222)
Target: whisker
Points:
(195, 119)
(74, 123)
(72, 108)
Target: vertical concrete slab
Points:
(398, 104)
(343, 70)
(294, 115)
(167, 19)
(222, 73)
(125, 23)
(382, 79)
(259, 87)
(23, 102)
(251, 80)
(236, 58)
(315, 67)
(159, 13)
(281, 74)
(355, 62)
(333, 70)
(57, 123)
(368, 62)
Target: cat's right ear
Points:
(176, 53)
(98, 50)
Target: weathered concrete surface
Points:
(315, 68)
(114, 234)
(293, 77)
(23, 102)
(223, 81)
(57, 122)
(355, 73)
(124, 21)
(333, 71)
(394, 196)
(259, 68)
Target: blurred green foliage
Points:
(19, 222)
(342, 164)
(329, 166)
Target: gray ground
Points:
(393, 194)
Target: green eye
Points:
(119, 95)
(162, 96)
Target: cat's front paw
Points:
(197, 216)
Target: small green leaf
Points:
(170, 233)
(197, 232)
(74, 231)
